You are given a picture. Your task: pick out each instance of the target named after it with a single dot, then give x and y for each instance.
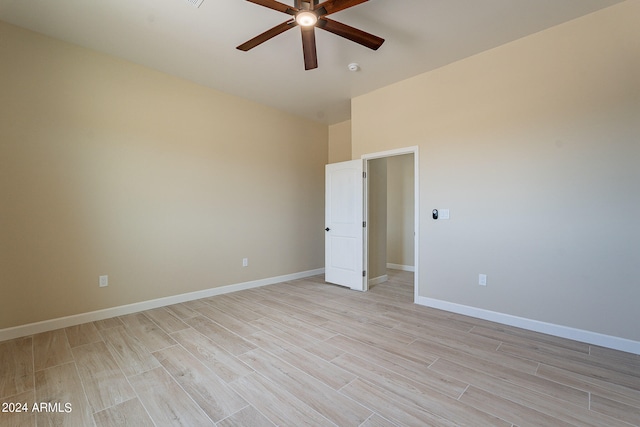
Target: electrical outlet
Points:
(245, 262)
(482, 279)
(104, 281)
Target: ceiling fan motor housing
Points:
(307, 5)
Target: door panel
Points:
(343, 217)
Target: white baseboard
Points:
(77, 319)
(401, 267)
(588, 337)
(378, 280)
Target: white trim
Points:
(400, 267)
(365, 217)
(378, 280)
(77, 319)
(390, 153)
(588, 337)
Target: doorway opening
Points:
(392, 216)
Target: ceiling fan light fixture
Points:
(309, 14)
(306, 19)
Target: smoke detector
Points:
(353, 67)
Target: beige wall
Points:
(110, 168)
(340, 142)
(400, 210)
(534, 147)
(377, 218)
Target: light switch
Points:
(444, 213)
(482, 279)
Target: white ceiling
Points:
(198, 44)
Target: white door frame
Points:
(416, 214)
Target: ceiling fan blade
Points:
(261, 38)
(309, 48)
(275, 5)
(350, 33)
(333, 6)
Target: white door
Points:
(344, 251)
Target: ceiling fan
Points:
(309, 14)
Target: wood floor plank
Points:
(248, 416)
(232, 342)
(166, 320)
(23, 418)
(416, 389)
(571, 364)
(212, 355)
(166, 402)
(51, 349)
(129, 413)
(112, 322)
(591, 385)
(230, 322)
(611, 354)
(437, 349)
(420, 318)
(212, 394)
(420, 356)
(554, 403)
(323, 349)
(369, 334)
(513, 335)
(391, 361)
(463, 341)
(480, 374)
(627, 369)
(16, 366)
(85, 333)
(377, 303)
(291, 324)
(338, 312)
(241, 307)
(277, 404)
(614, 409)
(57, 387)
(194, 304)
(447, 408)
(182, 311)
(104, 383)
(147, 332)
(130, 354)
(294, 311)
(314, 393)
(512, 412)
(285, 333)
(313, 365)
(396, 410)
(376, 420)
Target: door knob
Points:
(327, 229)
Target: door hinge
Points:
(364, 174)
(364, 273)
(364, 223)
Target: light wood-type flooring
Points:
(306, 353)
